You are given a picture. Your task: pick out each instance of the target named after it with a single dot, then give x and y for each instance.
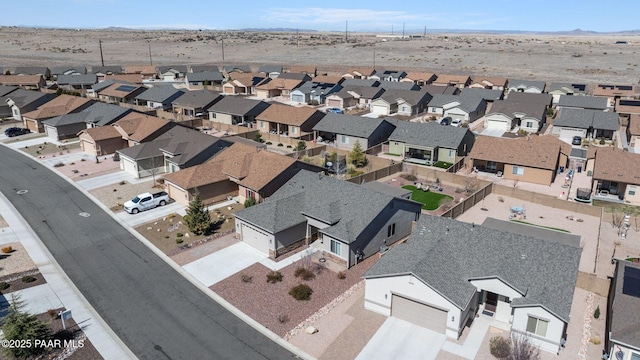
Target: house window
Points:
(335, 247)
(492, 165)
(262, 124)
(452, 153)
(517, 170)
(404, 109)
(635, 356)
(213, 115)
(294, 130)
(632, 191)
(15, 112)
(530, 124)
(391, 230)
(250, 194)
(537, 326)
(345, 139)
(433, 109)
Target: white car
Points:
(456, 122)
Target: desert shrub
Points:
(4, 285)
(595, 340)
(166, 236)
(523, 349)
(500, 347)
(274, 277)
(280, 144)
(304, 273)
(602, 142)
(409, 177)
(306, 158)
(596, 314)
(269, 143)
(289, 146)
(246, 278)
(28, 279)
(250, 202)
(58, 164)
(7, 249)
(179, 234)
(301, 292)
(341, 275)
(179, 241)
(283, 318)
(53, 313)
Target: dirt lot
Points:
(580, 58)
(163, 233)
(47, 148)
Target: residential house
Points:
(506, 115)
(27, 82)
(616, 175)
(343, 99)
(336, 80)
(100, 141)
(95, 89)
(444, 90)
(614, 92)
(271, 71)
(235, 110)
(557, 89)
(348, 222)
(344, 131)
(105, 114)
(60, 105)
(527, 86)
(137, 79)
(627, 107)
(291, 121)
(492, 83)
(33, 70)
(270, 88)
(459, 81)
(76, 82)
(68, 70)
(363, 95)
(622, 339)
(102, 71)
(581, 102)
(397, 85)
(593, 124)
(535, 158)
(242, 84)
(22, 101)
(119, 93)
(419, 78)
(204, 79)
(401, 102)
(295, 76)
(204, 68)
(230, 69)
(449, 273)
(172, 72)
(313, 92)
(241, 170)
(158, 97)
(178, 148)
(633, 133)
(195, 103)
(388, 75)
(487, 95)
(71, 124)
(428, 143)
(136, 128)
(467, 108)
(145, 71)
(304, 69)
(5, 92)
(359, 73)
(361, 82)
(533, 98)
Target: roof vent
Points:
(523, 256)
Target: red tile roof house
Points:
(63, 104)
(533, 159)
(136, 128)
(103, 140)
(276, 87)
(616, 175)
(459, 81)
(494, 83)
(615, 92)
(240, 170)
(121, 93)
(28, 82)
(294, 122)
(419, 78)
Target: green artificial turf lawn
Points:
(429, 199)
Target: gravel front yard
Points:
(17, 261)
(272, 306)
(114, 195)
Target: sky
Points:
(328, 15)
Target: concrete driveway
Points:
(224, 263)
(492, 132)
(140, 218)
(399, 339)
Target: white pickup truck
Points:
(146, 201)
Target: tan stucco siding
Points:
(532, 175)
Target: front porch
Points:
(424, 156)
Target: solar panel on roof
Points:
(631, 282)
(630, 102)
(625, 87)
(580, 87)
(126, 88)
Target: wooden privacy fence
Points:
(469, 202)
(377, 174)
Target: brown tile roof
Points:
(138, 127)
(634, 124)
(362, 70)
(102, 133)
(255, 168)
(112, 90)
(245, 79)
(533, 151)
(328, 79)
(302, 69)
(415, 76)
(21, 79)
(286, 84)
(628, 106)
(140, 69)
(614, 90)
(495, 81)
(60, 105)
(444, 79)
(285, 114)
(614, 164)
(131, 78)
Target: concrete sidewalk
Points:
(59, 290)
(113, 178)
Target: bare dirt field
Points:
(578, 58)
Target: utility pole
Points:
(101, 56)
(150, 59)
(425, 32)
(222, 39)
(403, 30)
(374, 58)
(391, 29)
(346, 28)
(297, 37)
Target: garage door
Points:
(419, 314)
(568, 133)
(297, 98)
(128, 166)
(499, 125)
(380, 110)
(51, 132)
(335, 103)
(255, 238)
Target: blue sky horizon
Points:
(375, 16)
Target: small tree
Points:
(523, 349)
(500, 347)
(250, 202)
(357, 156)
(197, 218)
(596, 314)
(301, 145)
(258, 137)
(18, 324)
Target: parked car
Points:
(456, 122)
(16, 131)
(577, 140)
(146, 201)
(334, 110)
(445, 121)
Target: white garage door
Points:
(335, 103)
(569, 133)
(255, 238)
(419, 314)
(52, 132)
(500, 125)
(128, 166)
(297, 98)
(380, 110)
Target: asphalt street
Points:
(153, 309)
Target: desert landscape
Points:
(590, 58)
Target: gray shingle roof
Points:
(60, 70)
(187, 144)
(32, 70)
(348, 125)
(393, 73)
(196, 99)
(584, 118)
(467, 103)
(446, 254)
(361, 82)
(202, 68)
(102, 85)
(444, 90)
(179, 68)
(522, 97)
(584, 102)
(398, 85)
(625, 317)
(576, 88)
(295, 76)
(160, 94)
(509, 108)
(430, 134)
(410, 96)
(241, 68)
(23, 97)
(350, 208)
(98, 113)
(84, 79)
(366, 92)
(485, 94)
(269, 69)
(526, 84)
(5, 89)
(145, 150)
(112, 69)
(237, 105)
(319, 88)
(387, 189)
(204, 76)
